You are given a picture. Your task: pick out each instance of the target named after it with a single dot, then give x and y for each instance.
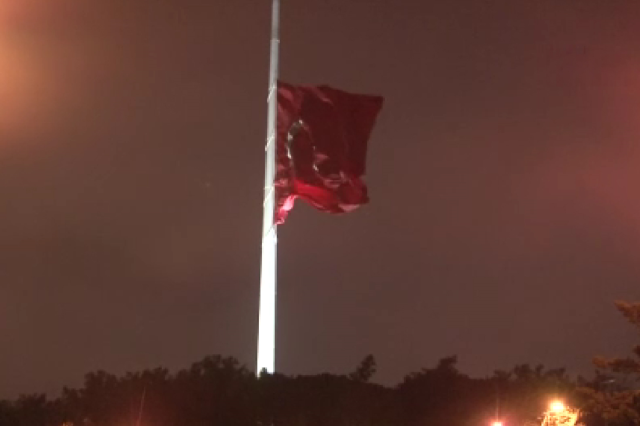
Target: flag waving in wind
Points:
(322, 136)
(316, 148)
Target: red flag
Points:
(322, 147)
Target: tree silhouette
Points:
(613, 398)
(220, 391)
(365, 370)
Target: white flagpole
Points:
(268, 288)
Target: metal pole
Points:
(268, 288)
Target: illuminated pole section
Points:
(268, 288)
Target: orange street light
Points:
(557, 407)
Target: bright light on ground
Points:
(496, 423)
(557, 406)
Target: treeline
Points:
(221, 391)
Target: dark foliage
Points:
(220, 391)
(613, 397)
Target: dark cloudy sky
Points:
(503, 173)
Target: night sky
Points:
(503, 174)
